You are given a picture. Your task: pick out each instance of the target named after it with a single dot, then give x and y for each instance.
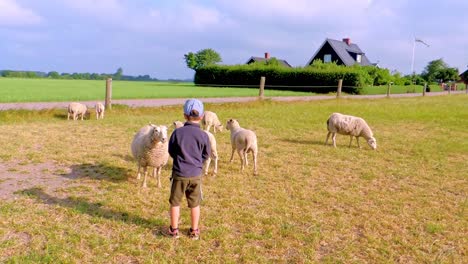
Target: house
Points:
(266, 58)
(343, 52)
(464, 77)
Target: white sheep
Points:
(352, 126)
(211, 119)
(75, 110)
(99, 110)
(213, 154)
(244, 141)
(150, 148)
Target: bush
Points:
(312, 79)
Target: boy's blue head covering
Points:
(193, 104)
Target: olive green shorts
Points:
(190, 187)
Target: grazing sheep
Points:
(352, 126)
(75, 110)
(214, 151)
(150, 148)
(211, 119)
(99, 110)
(244, 141)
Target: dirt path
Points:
(180, 101)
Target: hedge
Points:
(282, 78)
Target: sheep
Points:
(244, 141)
(75, 110)
(150, 148)
(213, 154)
(211, 119)
(99, 110)
(352, 126)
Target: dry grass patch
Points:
(405, 202)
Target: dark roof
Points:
(260, 59)
(344, 51)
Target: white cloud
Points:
(12, 14)
(99, 8)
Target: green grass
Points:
(401, 89)
(50, 90)
(405, 202)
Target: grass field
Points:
(49, 90)
(404, 203)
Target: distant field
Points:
(50, 90)
(78, 199)
(47, 90)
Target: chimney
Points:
(267, 55)
(347, 41)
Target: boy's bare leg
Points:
(175, 212)
(195, 214)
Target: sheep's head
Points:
(219, 127)
(178, 124)
(372, 143)
(159, 133)
(232, 124)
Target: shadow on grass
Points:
(124, 157)
(301, 141)
(98, 172)
(63, 115)
(83, 206)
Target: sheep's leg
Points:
(350, 140)
(241, 156)
(254, 155)
(68, 116)
(139, 174)
(215, 159)
(334, 139)
(159, 176)
(155, 171)
(357, 139)
(207, 127)
(232, 154)
(245, 158)
(207, 165)
(145, 172)
(328, 135)
(82, 115)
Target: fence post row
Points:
(108, 93)
(388, 90)
(262, 87)
(424, 89)
(340, 85)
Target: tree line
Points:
(118, 75)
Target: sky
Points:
(152, 36)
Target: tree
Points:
(202, 58)
(53, 75)
(118, 74)
(438, 70)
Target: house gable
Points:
(343, 52)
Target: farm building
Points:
(343, 52)
(266, 58)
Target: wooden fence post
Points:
(388, 90)
(449, 88)
(108, 93)
(262, 87)
(466, 87)
(424, 89)
(340, 85)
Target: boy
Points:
(189, 147)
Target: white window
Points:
(358, 58)
(327, 58)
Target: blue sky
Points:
(151, 37)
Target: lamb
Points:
(352, 126)
(75, 110)
(99, 110)
(244, 141)
(150, 148)
(213, 154)
(211, 119)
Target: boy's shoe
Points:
(173, 232)
(194, 234)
